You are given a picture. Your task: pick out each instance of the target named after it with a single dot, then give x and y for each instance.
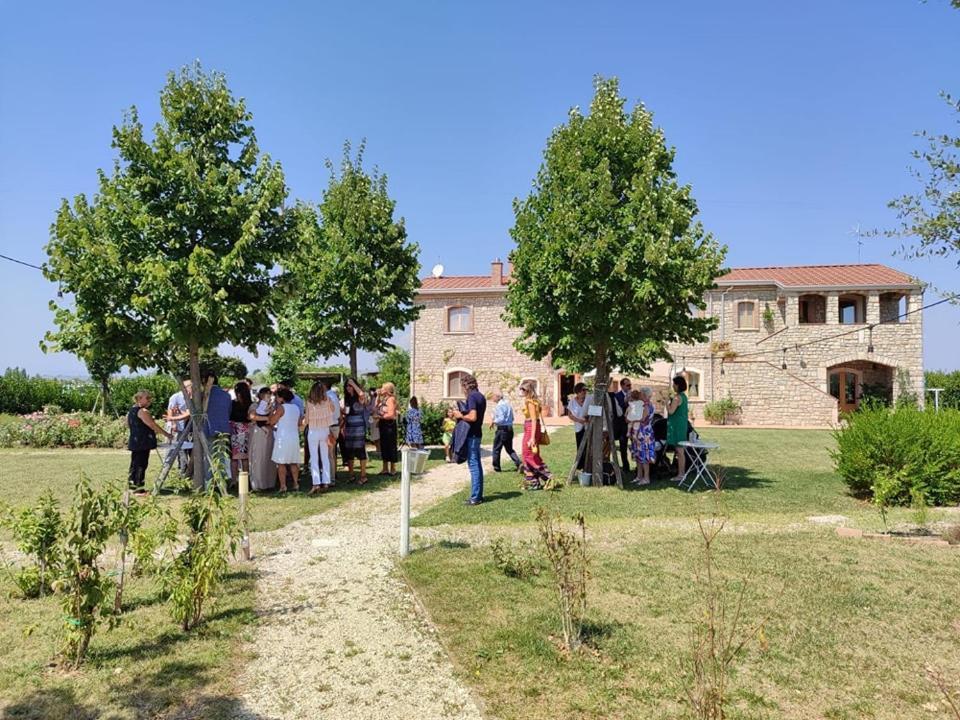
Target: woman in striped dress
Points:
(354, 418)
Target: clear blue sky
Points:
(792, 121)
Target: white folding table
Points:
(697, 469)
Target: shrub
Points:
(37, 532)
(720, 411)
(514, 561)
(84, 590)
(197, 572)
(566, 551)
(899, 453)
(83, 429)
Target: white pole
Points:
(936, 397)
(405, 503)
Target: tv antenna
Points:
(856, 231)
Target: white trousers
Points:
(319, 453)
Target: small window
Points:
(453, 389)
(460, 319)
(851, 309)
(812, 309)
(747, 315)
(693, 383)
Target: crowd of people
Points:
(270, 433)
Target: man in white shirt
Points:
(178, 412)
(577, 410)
(334, 428)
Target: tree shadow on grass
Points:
(505, 495)
(734, 478)
(50, 703)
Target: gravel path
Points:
(340, 635)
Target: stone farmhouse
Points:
(794, 346)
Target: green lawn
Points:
(774, 476)
(146, 667)
(26, 473)
(849, 637)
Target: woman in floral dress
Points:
(414, 431)
(642, 444)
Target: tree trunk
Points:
(197, 405)
(596, 423)
(353, 361)
(104, 394)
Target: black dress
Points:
(142, 440)
(388, 441)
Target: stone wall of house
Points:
(487, 352)
(753, 372)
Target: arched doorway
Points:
(854, 381)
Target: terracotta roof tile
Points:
(458, 282)
(863, 275)
(820, 276)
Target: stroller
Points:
(663, 467)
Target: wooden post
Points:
(244, 491)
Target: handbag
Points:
(544, 438)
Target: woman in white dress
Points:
(286, 442)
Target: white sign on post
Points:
(595, 410)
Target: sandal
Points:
(362, 480)
(315, 490)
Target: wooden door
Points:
(845, 387)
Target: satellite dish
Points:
(437, 270)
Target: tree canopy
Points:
(354, 274)
(609, 257)
(182, 238)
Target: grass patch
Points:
(773, 476)
(146, 667)
(26, 473)
(849, 638)
(141, 669)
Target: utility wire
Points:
(20, 262)
(800, 346)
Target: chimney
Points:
(496, 272)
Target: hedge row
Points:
(901, 450)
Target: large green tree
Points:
(188, 229)
(609, 257)
(354, 274)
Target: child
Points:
(263, 406)
(414, 433)
(449, 425)
(642, 447)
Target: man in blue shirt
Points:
(503, 430)
(217, 427)
(476, 407)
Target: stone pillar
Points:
(833, 308)
(873, 307)
(914, 303)
(792, 311)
